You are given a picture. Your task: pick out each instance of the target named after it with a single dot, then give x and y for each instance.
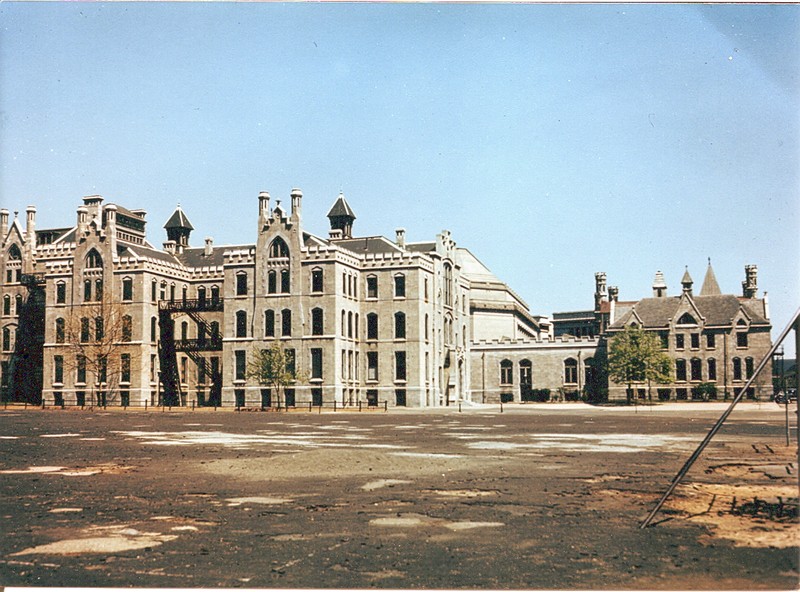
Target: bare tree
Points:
(95, 337)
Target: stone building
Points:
(95, 314)
(364, 319)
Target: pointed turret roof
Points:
(178, 220)
(341, 208)
(710, 285)
(687, 279)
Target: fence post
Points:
(192, 404)
(334, 405)
(385, 406)
(501, 406)
(359, 406)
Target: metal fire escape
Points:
(26, 362)
(208, 340)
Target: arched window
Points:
(286, 322)
(241, 323)
(61, 330)
(98, 290)
(214, 294)
(400, 286)
(94, 260)
(7, 339)
(214, 331)
(153, 334)
(748, 367)
(686, 319)
(272, 281)
(506, 372)
(269, 323)
(18, 304)
(127, 289)
(87, 290)
(127, 328)
(372, 326)
(680, 370)
(399, 325)
(350, 324)
(99, 328)
(241, 284)
(61, 293)
(737, 368)
(201, 295)
(317, 324)
(570, 371)
(427, 322)
(278, 249)
(84, 329)
(14, 254)
(316, 280)
(7, 305)
(285, 281)
(201, 333)
(696, 369)
(344, 324)
(525, 373)
(448, 287)
(185, 331)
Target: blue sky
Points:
(552, 140)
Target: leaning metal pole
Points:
(688, 465)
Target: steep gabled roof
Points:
(369, 245)
(710, 285)
(341, 208)
(179, 220)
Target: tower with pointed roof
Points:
(342, 217)
(710, 285)
(687, 282)
(179, 228)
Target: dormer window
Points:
(686, 319)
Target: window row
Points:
(100, 367)
(7, 305)
(693, 371)
(694, 340)
(570, 369)
(95, 329)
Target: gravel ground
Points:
(539, 496)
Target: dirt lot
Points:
(547, 496)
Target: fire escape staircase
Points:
(27, 359)
(168, 347)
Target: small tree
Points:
(635, 355)
(274, 367)
(95, 336)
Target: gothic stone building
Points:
(714, 339)
(94, 313)
(362, 319)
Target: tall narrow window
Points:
(58, 369)
(241, 284)
(286, 322)
(99, 329)
(350, 324)
(7, 305)
(61, 330)
(316, 362)
(399, 325)
(712, 369)
(269, 323)
(61, 293)
(317, 325)
(372, 286)
(87, 290)
(240, 364)
(695, 340)
(214, 294)
(571, 371)
(741, 339)
(98, 290)
(201, 295)
(93, 260)
(400, 365)
(372, 365)
(125, 367)
(153, 333)
(127, 289)
(710, 341)
(80, 377)
(153, 291)
(680, 370)
(272, 282)
(399, 286)
(316, 280)
(241, 323)
(506, 372)
(748, 367)
(737, 369)
(127, 328)
(290, 361)
(285, 281)
(696, 368)
(278, 249)
(84, 330)
(372, 326)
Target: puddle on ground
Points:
(470, 493)
(118, 539)
(238, 501)
(418, 520)
(373, 485)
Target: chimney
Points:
(600, 294)
(169, 246)
(297, 198)
(659, 286)
(263, 205)
(111, 226)
(83, 218)
(336, 234)
(3, 223)
(401, 237)
(210, 243)
(750, 283)
(30, 229)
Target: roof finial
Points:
(709, 261)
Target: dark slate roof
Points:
(126, 212)
(142, 251)
(179, 220)
(196, 257)
(686, 279)
(368, 244)
(710, 285)
(421, 247)
(578, 315)
(341, 208)
(309, 240)
(717, 310)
